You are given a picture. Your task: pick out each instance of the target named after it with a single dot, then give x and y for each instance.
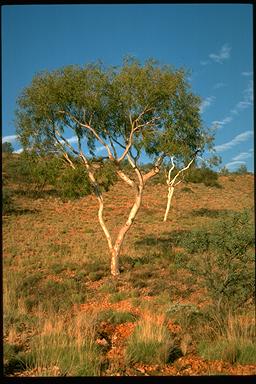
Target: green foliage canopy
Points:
(102, 105)
(7, 147)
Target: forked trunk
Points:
(115, 250)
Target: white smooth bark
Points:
(171, 184)
(169, 199)
(142, 179)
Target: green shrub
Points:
(187, 315)
(202, 175)
(50, 294)
(73, 183)
(242, 170)
(187, 189)
(105, 175)
(34, 171)
(225, 258)
(7, 147)
(38, 173)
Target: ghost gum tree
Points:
(130, 110)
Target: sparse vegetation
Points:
(64, 314)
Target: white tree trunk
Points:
(169, 199)
(171, 184)
(115, 252)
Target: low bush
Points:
(224, 258)
(186, 315)
(202, 175)
(37, 174)
(73, 183)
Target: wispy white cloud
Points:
(242, 156)
(219, 123)
(232, 164)
(219, 85)
(100, 149)
(71, 140)
(9, 139)
(18, 150)
(206, 103)
(246, 73)
(204, 62)
(222, 55)
(246, 102)
(237, 140)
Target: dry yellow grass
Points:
(59, 243)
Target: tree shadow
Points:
(21, 211)
(212, 213)
(37, 194)
(168, 239)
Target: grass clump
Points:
(150, 342)
(116, 317)
(66, 347)
(232, 340)
(187, 315)
(118, 296)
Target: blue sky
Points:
(213, 41)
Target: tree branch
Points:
(155, 170)
(100, 199)
(171, 182)
(136, 169)
(93, 132)
(69, 160)
(65, 141)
